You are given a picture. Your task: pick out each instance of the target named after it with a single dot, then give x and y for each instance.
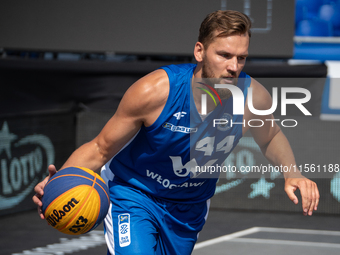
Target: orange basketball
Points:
(75, 200)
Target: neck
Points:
(198, 88)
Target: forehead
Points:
(236, 42)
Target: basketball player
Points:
(147, 149)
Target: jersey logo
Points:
(179, 115)
(124, 229)
(190, 167)
(209, 148)
(227, 126)
(181, 129)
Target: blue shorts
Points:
(138, 223)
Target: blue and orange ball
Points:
(75, 200)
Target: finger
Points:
(39, 189)
(313, 199)
(51, 170)
(37, 199)
(40, 212)
(290, 193)
(317, 194)
(305, 196)
(310, 196)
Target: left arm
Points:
(276, 148)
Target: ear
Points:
(199, 52)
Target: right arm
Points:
(141, 105)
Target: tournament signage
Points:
(248, 181)
(27, 146)
(22, 170)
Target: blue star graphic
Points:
(262, 187)
(6, 138)
(335, 186)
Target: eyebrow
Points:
(222, 52)
(244, 55)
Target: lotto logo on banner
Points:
(124, 229)
(22, 162)
(28, 145)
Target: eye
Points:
(225, 55)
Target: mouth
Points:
(228, 80)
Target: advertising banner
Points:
(248, 181)
(28, 144)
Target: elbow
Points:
(101, 151)
(271, 140)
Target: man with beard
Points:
(149, 149)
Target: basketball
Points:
(75, 200)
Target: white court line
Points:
(300, 231)
(84, 242)
(235, 237)
(226, 237)
(285, 242)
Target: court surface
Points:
(226, 232)
(279, 241)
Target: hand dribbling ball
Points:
(75, 200)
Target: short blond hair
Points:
(226, 23)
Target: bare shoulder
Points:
(146, 98)
(261, 99)
(141, 105)
(258, 98)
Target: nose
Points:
(232, 65)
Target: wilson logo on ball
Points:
(57, 215)
(80, 224)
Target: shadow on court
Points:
(226, 232)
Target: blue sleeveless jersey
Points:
(169, 159)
